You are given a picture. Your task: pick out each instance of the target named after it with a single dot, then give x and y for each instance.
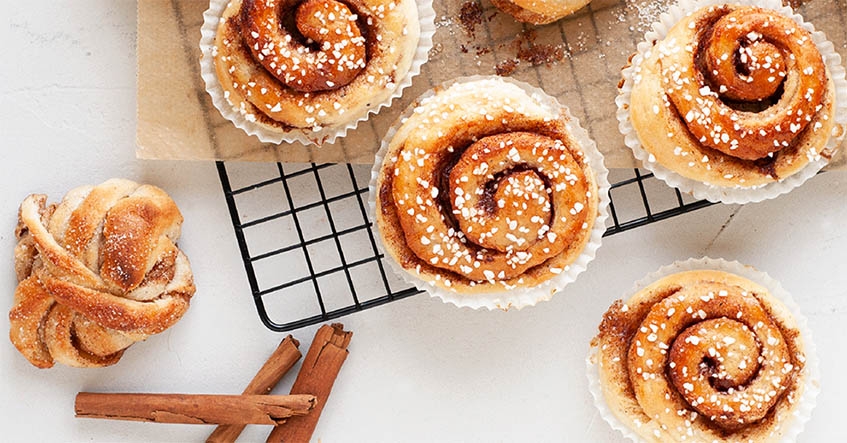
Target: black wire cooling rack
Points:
(310, 251)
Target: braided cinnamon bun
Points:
(702, 355)
(539, 12)
(735, 96)
(97, 272)
(484, 188)
(310, 66)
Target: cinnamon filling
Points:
(326, 52)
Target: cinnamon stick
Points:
(320, 367)
(194, 408)
(277, 365)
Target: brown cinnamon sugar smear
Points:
(506, 67)
(528, 51)
(524, 46)
(537, 54)
(470, 16)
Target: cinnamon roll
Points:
(97, 272)
(484, 188)
(735, 96)
(310, 66)
(702, 355)
(539, 12)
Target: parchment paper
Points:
(176, 119)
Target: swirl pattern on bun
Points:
(735, 96)
(313, 65)
(701, 355)
(484, 189)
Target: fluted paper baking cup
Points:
(306, 136)
(811, 386)
(707, 191)
(516, 298)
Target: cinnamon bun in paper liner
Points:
(705, 350)
(310, 70)
(487, 193)
(733, 102)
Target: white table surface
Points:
(418, 370)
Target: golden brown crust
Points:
(539, 12)
(273, 79)
(758, 108)
(97, 272)
(701, 356)
(523, 191)
(339, 55)
(32, 305)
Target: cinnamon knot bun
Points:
(483, 188)
(702, 356)
(539, 12)
(310, 65)
(97, 272)
(735, 96)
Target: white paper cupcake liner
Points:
(707, 191)
(517, 298)
(306, 136)
(811, 387)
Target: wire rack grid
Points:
(309, 247)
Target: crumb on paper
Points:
(470, 16)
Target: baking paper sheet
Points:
(176, 119)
